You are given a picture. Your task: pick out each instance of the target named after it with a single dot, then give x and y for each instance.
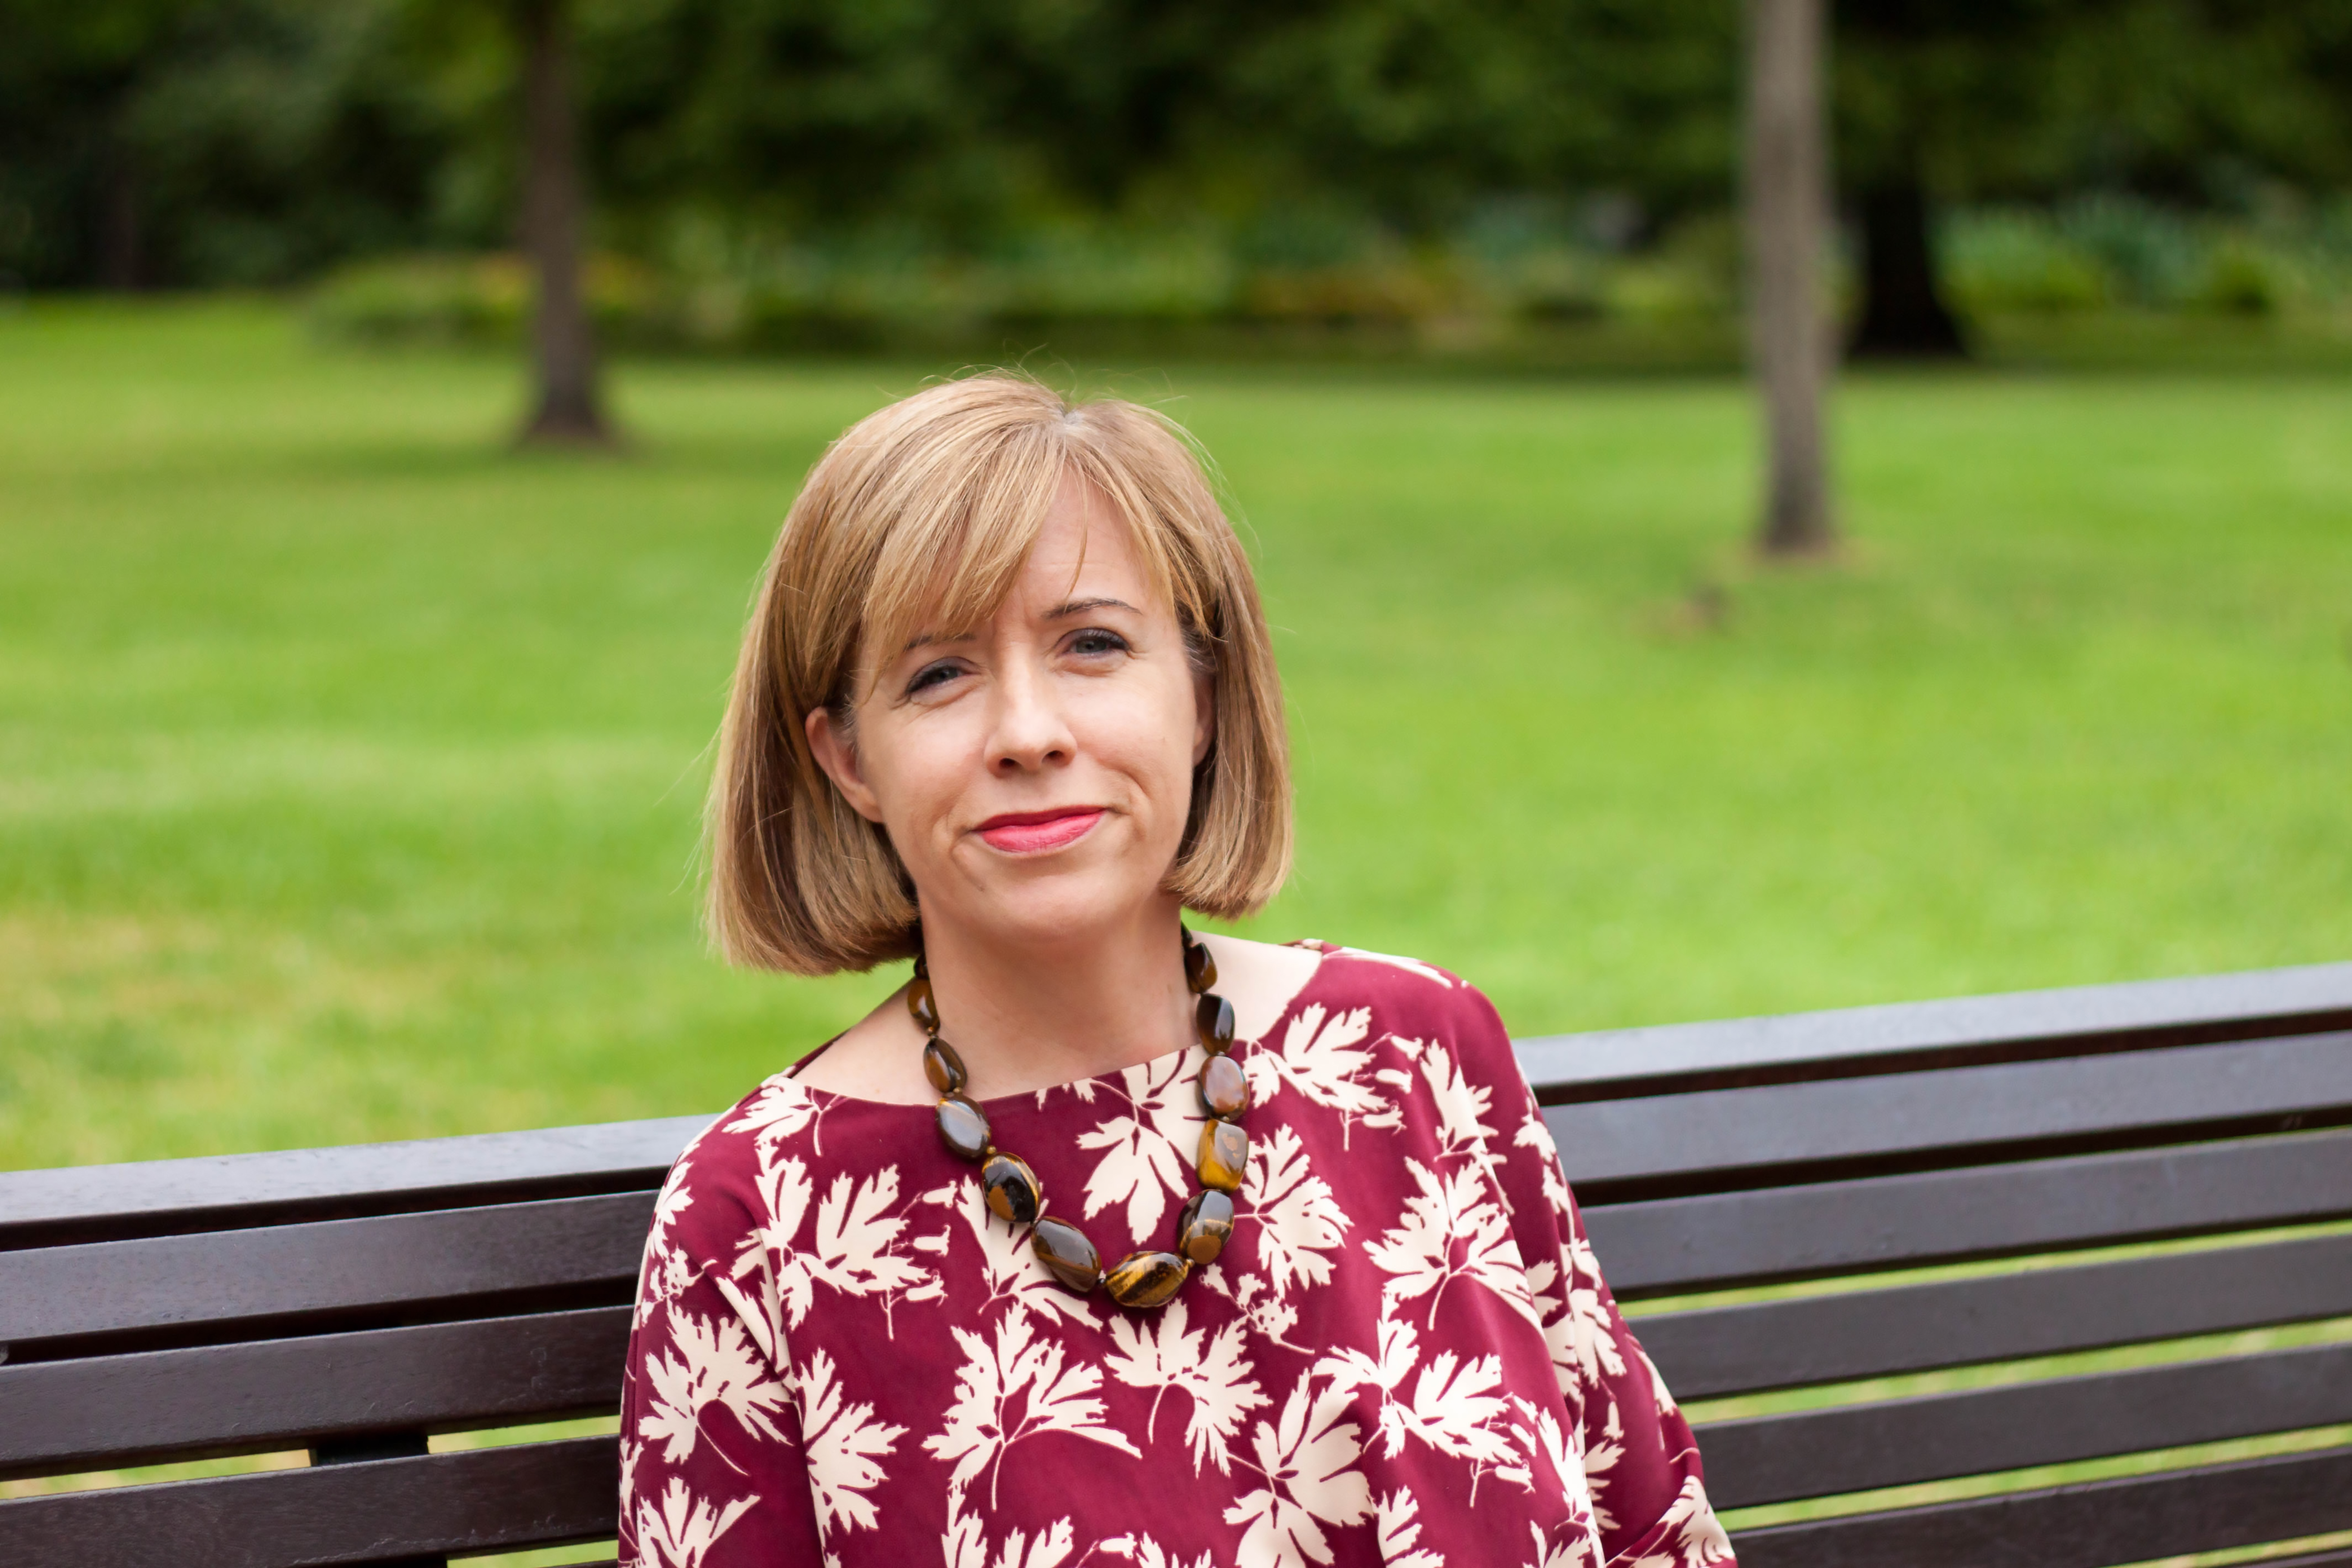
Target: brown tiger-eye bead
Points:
(1200, 968)
(1225, 1156)
(1205, 1226)
(963, 1127)
(920, 1004)
(1224, 1086)
(1146, 1279)
(1011, 1188)
(943, 1067)
(1066, 1254)
(1213, 1017)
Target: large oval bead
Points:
(1200, 968)
(1205, 1226)
(943, 1067)
(963, 1127)
(1144, 1280)
(1068, 1254)
(920, 1003)
(1224, 1088)
(1011, 1188)
(1213, 1016)
(1225, 1156)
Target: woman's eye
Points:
(931, 675)
(1098, 642)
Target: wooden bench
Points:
(351, 1301)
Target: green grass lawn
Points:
(349, 766)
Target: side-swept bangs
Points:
(920, 516)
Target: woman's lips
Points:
(1028, 832)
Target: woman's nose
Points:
(1032, 732)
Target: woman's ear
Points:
(838, 758)
(1204, 714)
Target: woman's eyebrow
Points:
(1080, 606)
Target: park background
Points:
(352, 752)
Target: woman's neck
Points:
(1025, 1018)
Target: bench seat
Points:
(1969, 1188)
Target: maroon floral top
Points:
(1406, 1354)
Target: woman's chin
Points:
(1050, 912)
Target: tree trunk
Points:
(1903, 312)
(119, 257)
(569, 412)
(1788, 215)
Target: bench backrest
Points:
(2197, 1134)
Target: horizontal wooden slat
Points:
(392, 1264)
(488, 1500)
(1911, 1035)
(1938, 1436)
(2025, 1110)
(143, 1408)
(97, 1202)
(1790, 1233)
(2096, 1524)
(1718, 1351)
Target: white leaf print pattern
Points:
(1306, 1457)
(1553, 1463)
(1013, 1388)
(966, 1546)
(1147, 1146)
(1534, 1134)
(1299, 1220)
(680, 1532)
(1146, 1552)
(715, 1365)
(1156, 1352)
(1013, 1274)
(1694, 1537)
(1454, 1404)
(851, 1249)
(1321, 1060)
(1397, 1517)
(1451, 1229)
(1461, 1108)
(845, 1445)
(781, 1109)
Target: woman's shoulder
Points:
(1410, 999)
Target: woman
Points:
(1098, 1243)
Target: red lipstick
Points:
(1034, 832)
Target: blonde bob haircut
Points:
(920, 517)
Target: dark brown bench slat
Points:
(2094, 1524)
(334, 1267)
(1853, 1334)
(2027, 1109)
(1909, 1037)
(1722, 1239)
(488, 1500)
(143, 1408)
(1938, 1437)
(98, 1203)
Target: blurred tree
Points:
(1942, 100)
(1787, 180)
(570, 409)
(174, 141)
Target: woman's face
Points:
(1034, 774)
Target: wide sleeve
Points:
(713, 1471)
(1649, 1490)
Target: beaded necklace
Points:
(1141, 1279)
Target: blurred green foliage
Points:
(1305, 154)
